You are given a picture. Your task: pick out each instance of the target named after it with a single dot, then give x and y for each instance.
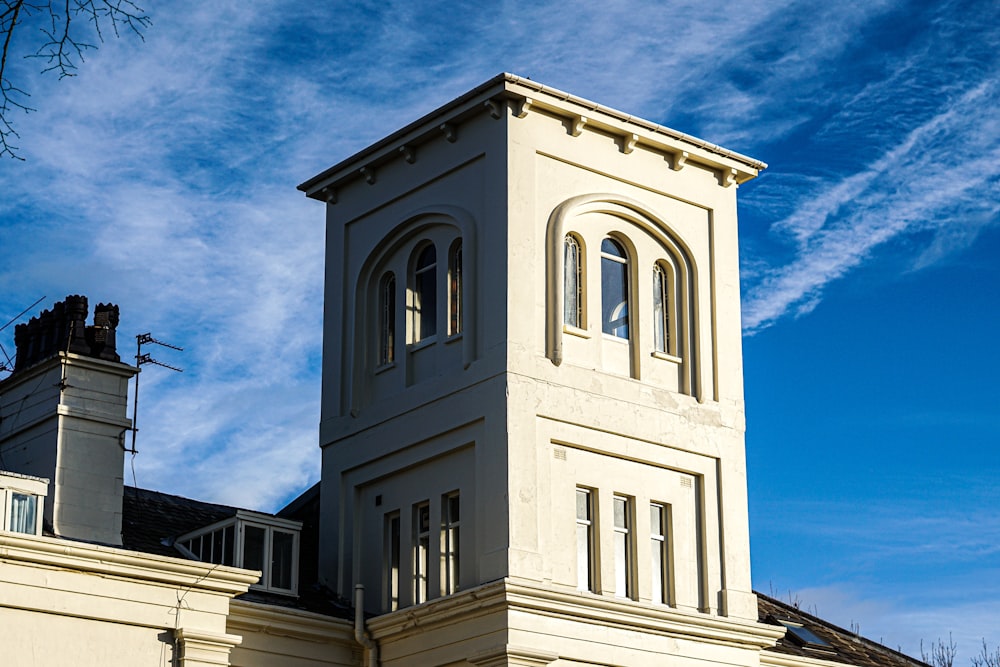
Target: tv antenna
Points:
(140, 360)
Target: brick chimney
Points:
(63, 417)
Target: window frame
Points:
(455, 289)
(421, 552)
(16, 484)
(586, 571)
(661, 552)
(386, 320)
(423, 283)
(392, 560)
(240, 522)
(450, 543)
(578, 318)
(608, 259)
(665, 332)
(624, 545)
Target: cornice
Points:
(508, 595)
(522, 96)
(133, 565)
(245, 616)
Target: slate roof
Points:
(843, 646)
(150, 519)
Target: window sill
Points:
(385, 367)
(421, 344)
(666, 357)
(615, 339)
(575, 331)
(454, 338)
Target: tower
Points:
(532, 415)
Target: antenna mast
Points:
(140, 359)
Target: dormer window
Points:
(252, 541)
(21, 496)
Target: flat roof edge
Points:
(510, 83)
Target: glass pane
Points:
(621, 564)
(583, 557)
(23, 508)
(392, 562)
(656, 568)
(387, 327)
(425, 293)
(612, 247)
(582, 504)
(453, 508)
(254, 543)
(455, 290)
(571, 282)
(227, 551)
(453, 560)
(216, 557)
(424, 518)
(614, 290)
(656, 519)
(660, 325)
(281, 559)
(621, 513)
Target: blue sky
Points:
(163, 178)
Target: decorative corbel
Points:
(628, 143)
(680, 159)
(449, 132)
(409, 154)
(523, 106)
(576, 125)
(329, 194)
(728, 177)
(495, 107)
(369, 174)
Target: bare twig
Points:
(59, 40)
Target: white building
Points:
(532, 424)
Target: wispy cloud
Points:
(163, 177)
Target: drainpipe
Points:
(360, 634)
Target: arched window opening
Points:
(572, 282)
(614, 289)
(455, 289)
(425, 294)
(387, 320)
(661, 310)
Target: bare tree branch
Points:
(940, 654)
(49, 30)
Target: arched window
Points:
(572, 282)
(661, 309)
(387, 319)
(425, 294)
(455, 288)
(614, 289)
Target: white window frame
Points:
(12, 484)
(586, 568)
(240, 522)
(450, 544)
(421, 552)
(660, 546)
(624, 545)
(392, 560)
